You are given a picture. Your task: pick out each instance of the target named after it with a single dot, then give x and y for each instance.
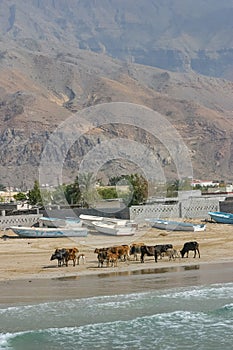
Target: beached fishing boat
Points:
(89, 219)
(49, 232)
(57, 222)
(221, 217)
(112, 229)
(175, 225)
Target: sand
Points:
(27, 275)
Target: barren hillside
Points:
(55, 61)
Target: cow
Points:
(112, 258)
(71, 255)
(171, 253)
(98, 250)
(81, 257)
(102, 255)
(122, 251)
(149, 251)
(162, 248)
(135, 249)
(60, 255)
(63, 255)
(190, 246)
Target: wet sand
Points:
(28, 276)
(33, 291)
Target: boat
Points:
(175, 225)
(49, 232)
(221, 217)
(89, 219)
(57, 222)
(112, 229)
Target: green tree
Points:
(58, 194)
(138, 188)
(20, 197)
(87, 184)
(34, 195)
(107, 192)
(72, 192)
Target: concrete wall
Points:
(18, 220)
(191, 208)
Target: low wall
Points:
(18, 220)
(190, 209)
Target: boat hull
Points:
(175, 225)
(56, 222)
(43, 232)
(222, 217)
(113, 229)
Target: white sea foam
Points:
(202, 292)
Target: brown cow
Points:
(122, 251)
(112, 258)
(71, 255)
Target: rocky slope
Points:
(38, 92)
(54, 62)
(173, 35)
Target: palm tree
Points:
(87, 185)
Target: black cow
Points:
(149, 251)
(63, 255)
(102, 255)
(60, 255)
(135, 249)
(190, 246)
(162, 248)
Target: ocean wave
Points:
(161, 331)
(214, 291)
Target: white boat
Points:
(112, 229)
(89, 219)
(175, 225)
(48, 232)
(57, 222)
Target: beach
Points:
(27, 275)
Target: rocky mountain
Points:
(176, 35)
(59, 57)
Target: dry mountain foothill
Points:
(51, 67)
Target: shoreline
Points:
(146, 279)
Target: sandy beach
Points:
(27, 274)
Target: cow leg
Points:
(156, 256)
(199, 253)
(142, 258)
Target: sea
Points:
(191, 317)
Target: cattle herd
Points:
(112, 255)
